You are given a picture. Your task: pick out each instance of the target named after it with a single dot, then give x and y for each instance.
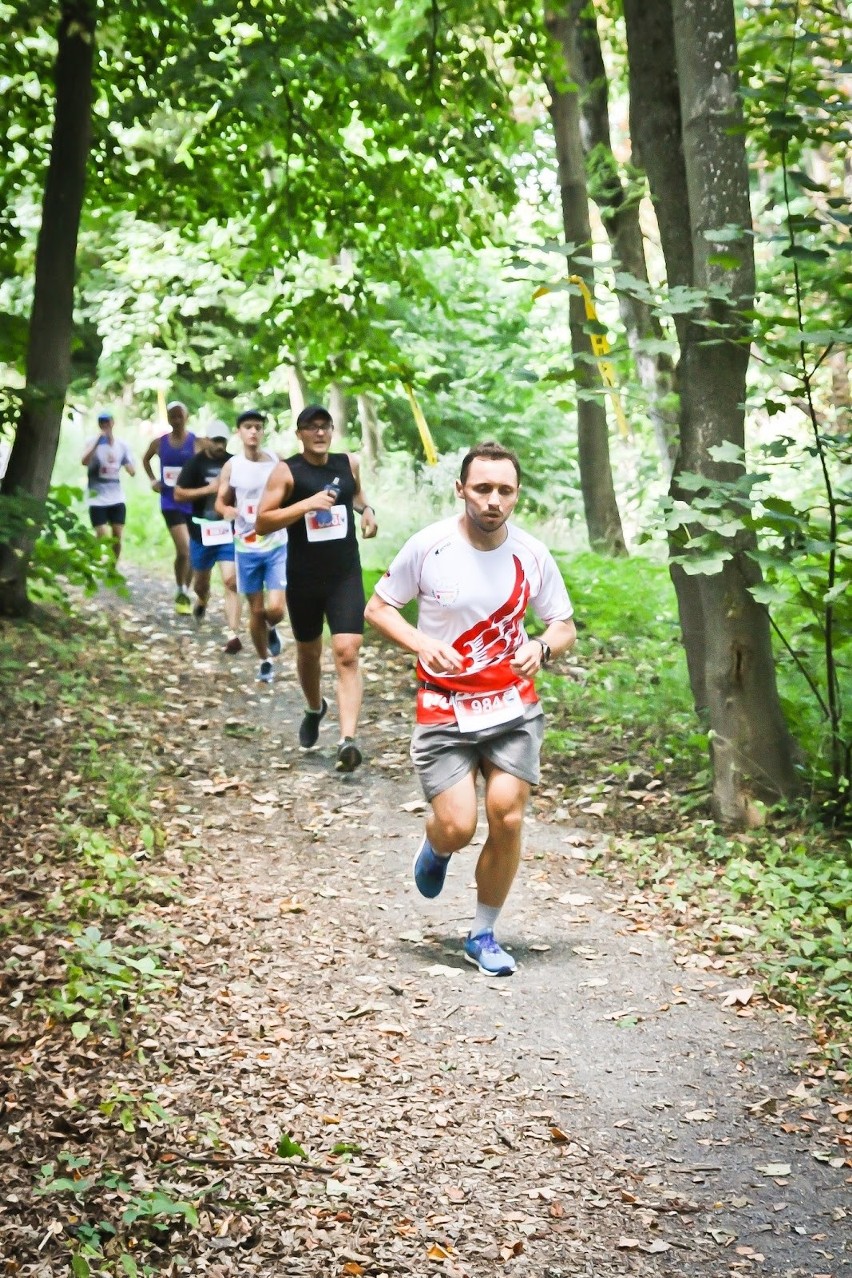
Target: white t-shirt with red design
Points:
(474, 600)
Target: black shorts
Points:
(102, 515)
(174, 518)
(340, 602)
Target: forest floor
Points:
(320, 1085)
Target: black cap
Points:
(251, 415)
(309, 412)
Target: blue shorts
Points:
(259, 570)
(202, 558)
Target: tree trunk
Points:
(296, 390)
(655, 133)
(371, 436)
(751, 748)
(48, 365)
(619, 210)
(338, 408)
(601, 509)
(655, 130)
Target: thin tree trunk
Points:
(296, 390)
(619, 210)
(371, 437)
(599, 503)
(751, 748)
(337, 406)
(48, 366)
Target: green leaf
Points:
(80, 1267)
(129, 1265)
(80, 1029)
(289, 1148)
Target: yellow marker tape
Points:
(162, 415)
(425, 434)
(600, 348)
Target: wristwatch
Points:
(545, 651)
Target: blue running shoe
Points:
(273, 642)
(491, 959)
(264, 674)
(430, 870)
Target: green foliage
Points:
(629, 701)
(783, 900)
(66, 551)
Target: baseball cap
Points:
(218, 430)
(309, 412)
(105, 416)
(251, 415)
(176, 403)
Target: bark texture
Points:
(48, 365)
(751, 748)
(619, 210)
(599, 503)
(371, 435)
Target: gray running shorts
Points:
(442, 755)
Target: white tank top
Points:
(248, 480)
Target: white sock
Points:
(484, 918)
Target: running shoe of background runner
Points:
(348, 755)
(273, 642)
(310, 725)
(183, 603)
(264, 674)
(234, 644)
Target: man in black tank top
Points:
(315, 495)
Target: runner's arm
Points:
(389, 621)
(369, 527)
(226, 498)
(150, 452)
(559, 637)
(271, 515)
(183, 490)
(90, 452)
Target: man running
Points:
(174, 450)
(261, 561)
(477, 711)
(104, 457)
(211, 539)
(313, 495)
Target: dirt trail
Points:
(603, 1112)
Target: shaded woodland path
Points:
(609, 1110)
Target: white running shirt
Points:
(475, 600)
(248, 480)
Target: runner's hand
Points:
(527, 659)
(228, 512)
(439, 658)
(320, 501)
(369, 527)
(156, 485)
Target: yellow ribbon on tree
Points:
(600, 349)
(422, 425)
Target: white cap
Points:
(176, 403)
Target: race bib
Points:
(484, 712)
(109, 470)
(215, 532)
(170, 475)
(327, 525)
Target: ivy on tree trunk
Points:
(51, 323)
